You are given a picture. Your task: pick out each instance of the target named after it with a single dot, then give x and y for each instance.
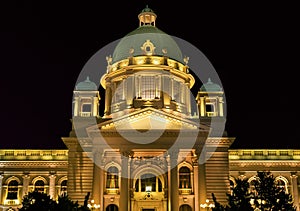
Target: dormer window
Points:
(148, 48)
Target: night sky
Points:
(254, 47)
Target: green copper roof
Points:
(135, 40)
(86, 85)
(209, 86)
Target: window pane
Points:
(112, 180)
(148, 87)
(12, 192)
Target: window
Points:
(252, 183)
(12, 192)
(184, 177)
(120, 87)
(39, 186)
(185, 207)
(281, 183)
(63, 187)
(112, 207)
(112, 180)
(86, 108)
(148, 182)
(148, 87)
(209, 108)
(176, 90)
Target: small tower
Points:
(86, 99)
(210, 100)
(147, 17)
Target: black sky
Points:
(253, 46)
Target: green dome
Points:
(86, 85)
(210, 87)
(135, 40)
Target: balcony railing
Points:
(85, 114)
(11, 202)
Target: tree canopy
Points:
(37, 201)
(264, 193)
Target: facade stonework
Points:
(148, 151)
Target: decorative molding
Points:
(265, 163)
(41, 164)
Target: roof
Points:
(130, 44)
(209, 86)
(86, 85)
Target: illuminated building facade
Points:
(147, 94)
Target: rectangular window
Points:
(209, 108)
(148, 87)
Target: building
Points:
(148, 152)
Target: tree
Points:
(265, 194)
(37, 201)
(239, 199)
(218, 206)
(268, 195)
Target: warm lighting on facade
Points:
(207, 205)
(93, 206)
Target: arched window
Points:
(232, 185)
(253, 181)
(63, 187)
(184, 177)
(112, 179)
(12, 189)
(39, 186)
(148, 183)
(185, 207)
(112, 207)
(281, 183)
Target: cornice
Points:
(264, 163)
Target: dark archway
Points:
(112, 207)
(185, 207)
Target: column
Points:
(188, 98)
(202, 183)
(196, 186)
(221, 111)
(172, 88)
(295, 190)
(102, 187)
(25, 185)
(169, 182)
(75, 111)
(174, 182)
(202, 106)
(124, 81)
(52, 186)
(124, 205)
(107, 98)
(96, 184)
(1, 181)
(95, 106)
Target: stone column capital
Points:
(294, 174)
(25, 176)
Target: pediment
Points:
(149, 119)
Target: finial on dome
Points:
(147, 17)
